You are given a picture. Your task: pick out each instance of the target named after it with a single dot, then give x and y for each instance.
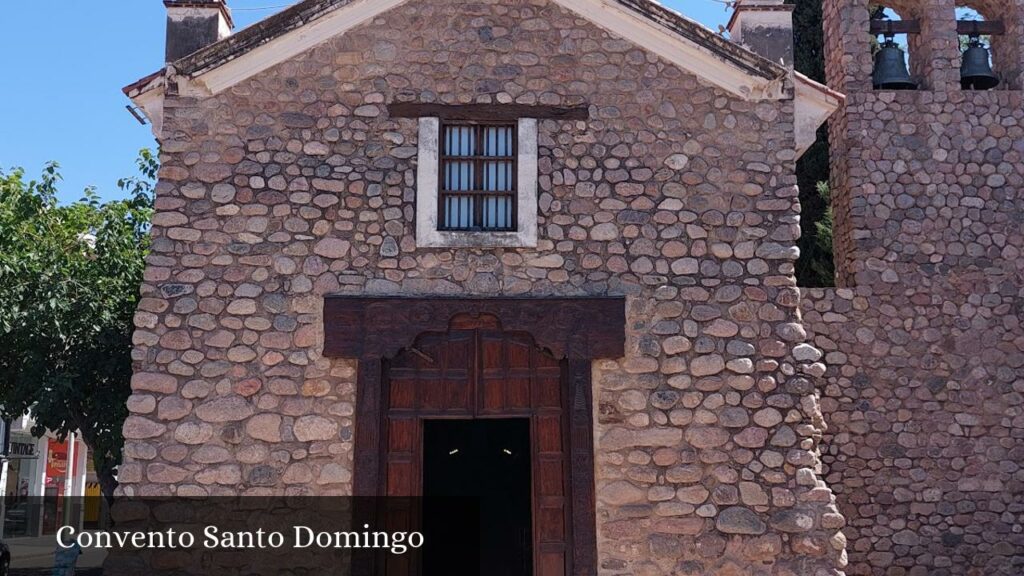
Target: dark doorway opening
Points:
(485, 465)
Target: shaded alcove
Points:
(1004, 47)
(891, 15)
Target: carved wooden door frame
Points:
(577, 330)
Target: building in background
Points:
(43, 480)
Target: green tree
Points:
(815, 267)
(824, 268)
(69, 285)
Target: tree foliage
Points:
(824, 267)
(69, 285)
(815, 267)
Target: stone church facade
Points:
(313, 295)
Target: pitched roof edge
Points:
(813, 105)
(143, 84)
(819, 87)
(262, 32)
(696, 32)
(767, 76)
(279, 24)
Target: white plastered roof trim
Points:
(814, 104)
(149, 98)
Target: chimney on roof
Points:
(195, 24)
(766, 28)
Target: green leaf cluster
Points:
(69, 286)
(822, 266)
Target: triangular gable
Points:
(647, 24)
(677, 39)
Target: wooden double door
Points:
(477, 372)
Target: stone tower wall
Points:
(923, 394)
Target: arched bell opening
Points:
(988, 33)
(896, 47)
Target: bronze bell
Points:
(891, 68)
(976, 71)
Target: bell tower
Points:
(924, 337)
(927, 178)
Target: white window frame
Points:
(428, 184)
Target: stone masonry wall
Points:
(923, 398)
(924, 343)
(929, 186)
(296, 184)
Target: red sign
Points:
(56, 461)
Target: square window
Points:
(478, 178)
(476, 184)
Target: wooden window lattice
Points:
(478, 177)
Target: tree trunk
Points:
(104, 469)
(107, 482)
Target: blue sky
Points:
(64, 63)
